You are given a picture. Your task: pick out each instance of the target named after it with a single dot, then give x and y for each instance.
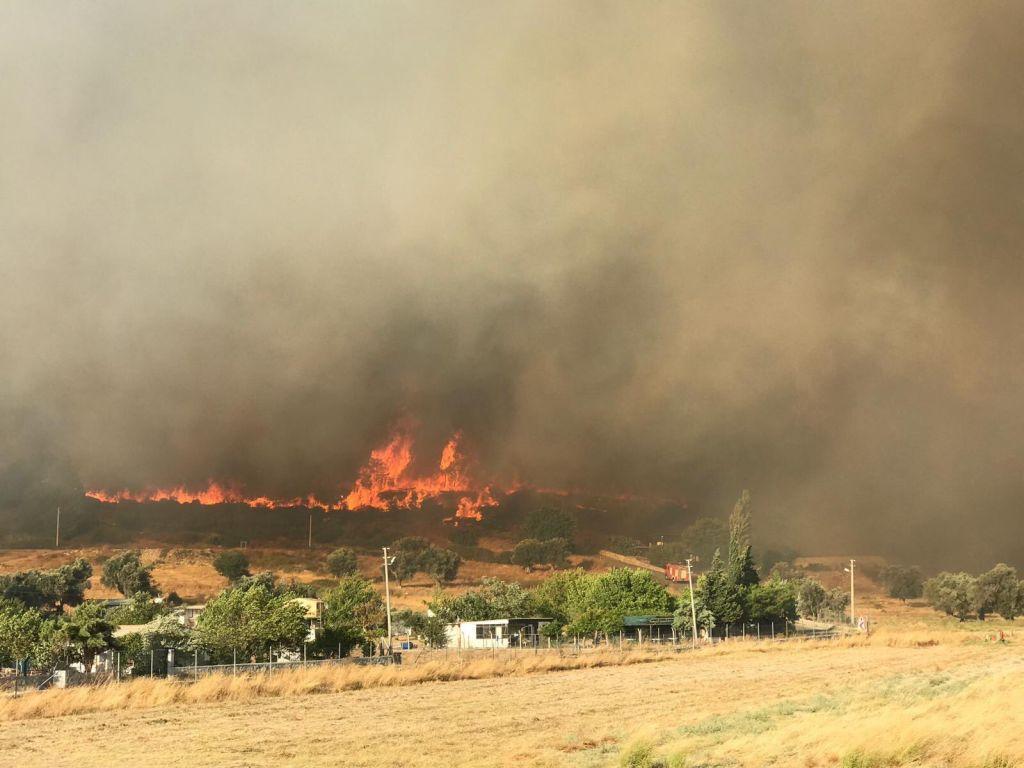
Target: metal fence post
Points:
(195, 667)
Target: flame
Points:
(387, 480)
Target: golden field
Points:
(922, 694)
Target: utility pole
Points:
(853, 609)
(387, 593)
(310, 529)
(693, 606)
(57, 545)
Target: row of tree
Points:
(998, 591)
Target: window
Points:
(486, 631)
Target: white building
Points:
(496, 633)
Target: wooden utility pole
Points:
(693, 605)
(387, 594)
(853, 608)
(310, 529)
(57, 544)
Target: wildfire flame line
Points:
(385, 481)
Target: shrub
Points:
(903, 582)
(231, 564)
(342, 562)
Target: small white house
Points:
(496, 633)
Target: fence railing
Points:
(194, 671)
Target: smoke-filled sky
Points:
(676, 249)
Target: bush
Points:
(231, 564)
(531, 552)
(342, 562)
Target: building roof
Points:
(647, 621)
(505, 621)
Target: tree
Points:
(720, 594)
(812, 599)
(683, 621)
(353, 613)
(342, 562)
(549, 523)
(773, 600)
(408, 554)
(531, 552)
(231, 564)
(951, 593)
(430, 629)
(903, 582)
(126, 573)
(496, 599)
(141, 610)
(559, 595)
(611, 596)
(88, 632)
(528, 553)
(442, 565)
(19, 632)
(70, 583)
(996, 592)
(250, 620)
(742, 570)
(49, 591)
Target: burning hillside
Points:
(387, 481)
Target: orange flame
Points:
(385, 481)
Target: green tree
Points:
(903, 582)
(126, 573)
(141, 610)
(49, 591)
(774, 600)
(231, 564)
(549, 523)
(683, 621)
(951, 593)
(88, 632)
(995, 591)
(812, 599)
(611, 596)
(353, 614)
(408, 553)
(560, 595)
(250, 620)
(429, 629)
(528, 553)
(19, 632)
(742, 570)
(442, 565)
(720, 594)
(495, 599)
(342, 562)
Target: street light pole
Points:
(57, 545)
(387, 595)
(693, 606)
(853, 605)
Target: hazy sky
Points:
(667, 248)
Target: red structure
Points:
(676, 572)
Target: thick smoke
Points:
(662, 248)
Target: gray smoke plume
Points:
(676, 249)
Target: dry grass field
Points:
(918, 695)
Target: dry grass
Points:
(941, 699)
(146, 692)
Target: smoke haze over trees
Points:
(669, 249)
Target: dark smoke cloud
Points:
(665, 248)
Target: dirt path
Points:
(555, 719)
